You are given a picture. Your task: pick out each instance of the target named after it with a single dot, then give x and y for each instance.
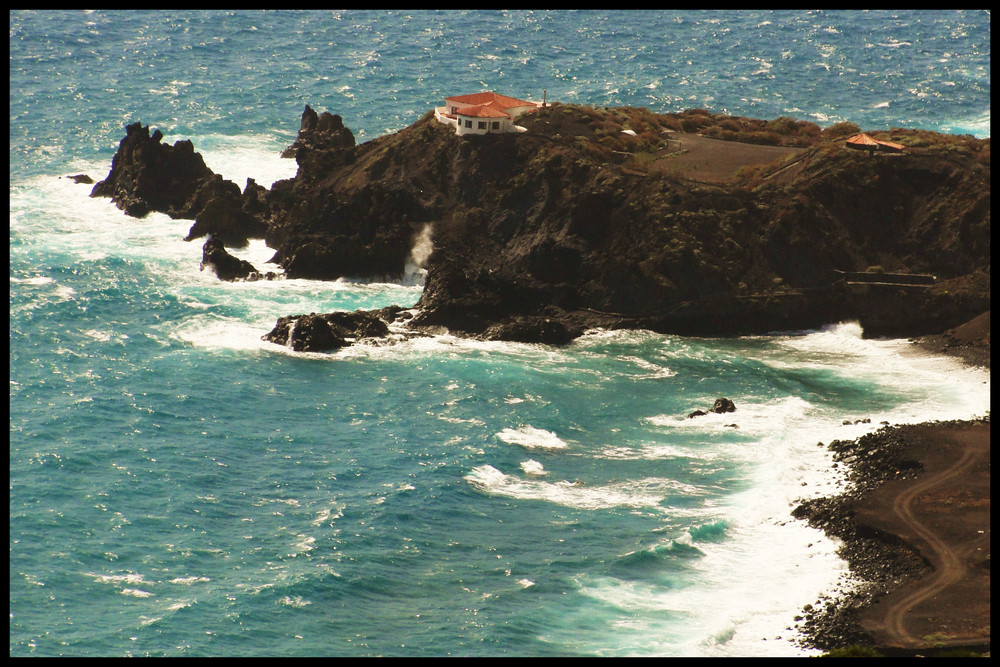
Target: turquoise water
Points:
(180, 487)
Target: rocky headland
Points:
(690, 223)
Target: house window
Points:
(496, 125)
(482, 125)
(468, 124)
(454, 110)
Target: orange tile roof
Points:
(891, 144)
(494, 99)
(864, 141)
(861, 140)
(482, 111)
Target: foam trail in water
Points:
(651, 492)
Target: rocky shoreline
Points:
(883, 559)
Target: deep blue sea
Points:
(178, 487)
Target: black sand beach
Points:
(915, 527)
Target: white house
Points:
(483, 113)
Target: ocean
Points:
(179, 487)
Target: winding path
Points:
(949, 564)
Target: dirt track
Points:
(945, 515)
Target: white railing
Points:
(441, 118)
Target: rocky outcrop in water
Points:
(721, 406)
(149, 176)
(326, 332)
(227, 267)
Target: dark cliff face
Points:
(576, 223)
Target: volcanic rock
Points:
(226, 266)
(307, 333)
(320, 132)
(542, 234)
(533, 329)
(325, 332)
(147, 175)
(722, 405)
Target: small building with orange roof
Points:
(863, 142)
(483, 113)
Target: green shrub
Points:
(782, 125)
(690, 126)
(807, 129)
(730, 125)
(842, 129)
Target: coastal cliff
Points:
(690, 223)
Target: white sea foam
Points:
(328, 515)
(37, 280)
(416, 263)
(941, 387)
(530, 437)
(644, 493)
(726, 605)
(135, 592)
(257, 253)
(128, 578)
(753, 417)
(91, 229)
(653, 450)
(294, 601)
(653, 370)
(304, 544)
(534, 468)
(212, 331)
(238, 157)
